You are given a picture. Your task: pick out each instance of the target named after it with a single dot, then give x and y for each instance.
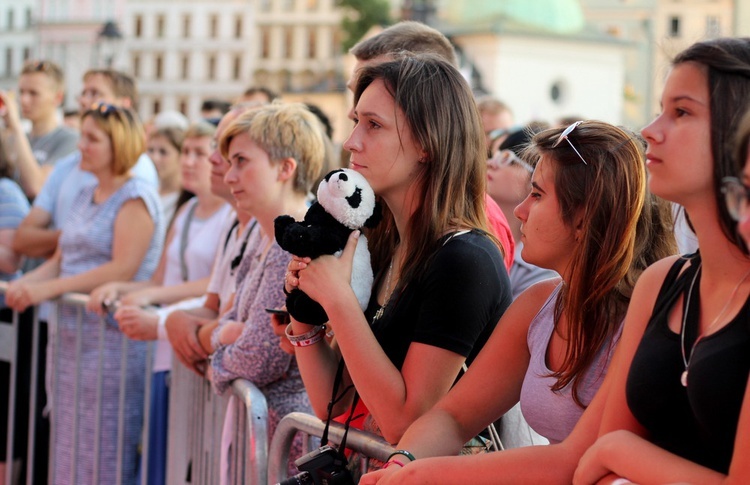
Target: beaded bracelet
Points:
(401, 452)
(312, 337)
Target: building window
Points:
(288, 5)
(185, 67)
(211, 67)
(183, 106)
(312, 5)
(237, 67)
(312, 43)
(8, 61)
(138, 29)
(713, 26)
(11, 19)
(213, 26)
(265, 5)
(674, 26)
(28, 18)
(238, 27)
(158, 66)
(288, 42)
(265, 43)
(26, 53)
(160, 26)
(157, 106)
(136, 65)
(186, 21)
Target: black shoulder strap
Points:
(670, 287)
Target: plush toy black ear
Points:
(376, 217)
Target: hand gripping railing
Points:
(363, 442)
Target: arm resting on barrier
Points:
(33, 238)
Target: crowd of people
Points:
(525, 277)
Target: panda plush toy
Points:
(345, 202)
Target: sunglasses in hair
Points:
(105, 109)
(564, 136)
(39, 66)
(736, 196)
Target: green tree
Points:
(359, 16)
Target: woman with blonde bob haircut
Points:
(275, 153)
(98, 244)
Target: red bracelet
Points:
(393, 462)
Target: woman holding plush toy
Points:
(440, 284)
(275, 153)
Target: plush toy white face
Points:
(346, 195)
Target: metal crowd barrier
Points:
(197, 432)
(9, 339)
(367, 444)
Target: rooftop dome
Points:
(559, 16)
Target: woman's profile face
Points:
(194, 164)
(679, 159)
(547, 241)
(252, 177)
(382, 147)
(95, 146)
(166, 157)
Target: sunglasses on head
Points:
(103, 108)
(564, 136)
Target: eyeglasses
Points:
(736, 196)
(505, 158)
(564, 136)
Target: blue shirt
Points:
(68, 179)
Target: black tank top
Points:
(697, 422)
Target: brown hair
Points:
(742, 141)
(727, 61)
(125, 131)
(406, 36)
(433, 97)
(123, 86)
(605, 197)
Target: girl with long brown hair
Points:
(586, 217)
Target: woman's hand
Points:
(102, 296)
(141, 298)
(136, 323)
(230, 332)
(591, 467)
(23, 294)
(379, 476)
(323, 278)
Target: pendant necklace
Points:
(687, 358)
(387, 295)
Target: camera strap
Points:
(335, 397)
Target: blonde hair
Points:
(125, 132)
(283, 130)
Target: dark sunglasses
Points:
(564, 136)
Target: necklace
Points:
(380, 311)
(687, 358)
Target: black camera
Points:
(324, 466)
